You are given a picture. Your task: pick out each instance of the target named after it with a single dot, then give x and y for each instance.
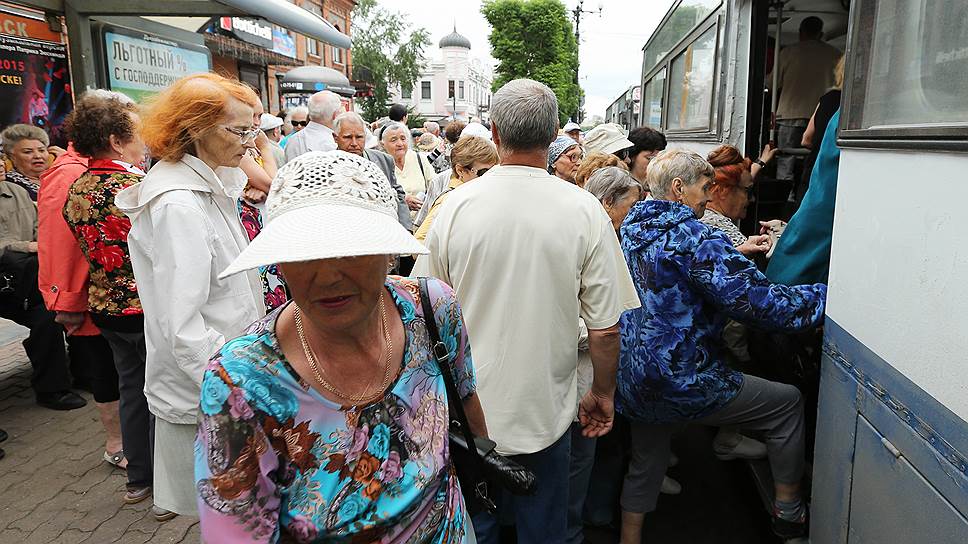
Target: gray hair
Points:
(611, 184)
(323, 106)
(105, 94)
(16, 133)
(432, 127)
(297, 109)
(670, 164)
(526, 115)
(348, 117)
(395, 125)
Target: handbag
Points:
(18, 279)
(480, 464)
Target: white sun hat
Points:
(607, 138)
(324, 206)
(476, 129)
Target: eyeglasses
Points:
(245, 136)
(574, 157)
(299, 123)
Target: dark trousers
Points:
(45, 346)
(608, 473)
(540, 518)
(93, 355)
(137, 423)
(582, 459)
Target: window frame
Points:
(406, 91)
(952, 137)
(716, 19)
(428, 86)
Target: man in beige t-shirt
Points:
(806, 72)
(527, 255)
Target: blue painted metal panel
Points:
(892, 502)
(833, 455)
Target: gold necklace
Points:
(314, 366)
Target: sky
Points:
(610, 52)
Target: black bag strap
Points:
(443, 357)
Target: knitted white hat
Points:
(324, 206)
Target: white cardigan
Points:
(185, 229)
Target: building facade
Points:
(625, 109)
(456, 85)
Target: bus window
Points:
(687, 15)
(910, 66)
(652, 101)
(692, 83)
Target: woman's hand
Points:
(774, 225)
(253, 195)
(71, 321)
(413, 202)
(768, 153)
(754, 245)
(56, 151)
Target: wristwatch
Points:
(760, 162)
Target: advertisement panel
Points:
(35, 85)
(140, 65)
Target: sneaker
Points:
(136, 495)
(61, 400)
(670, 486)
(746, 448)
(787, 530)
(162, 515)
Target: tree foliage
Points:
(386, 53)
(534, 39)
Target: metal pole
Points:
(775, 95)
(578, 12)
(81, 47)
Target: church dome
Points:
(454, 40)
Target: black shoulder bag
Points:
(479, 465)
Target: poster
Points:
(141, 66)
(35, 85)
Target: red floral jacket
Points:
(101, 230)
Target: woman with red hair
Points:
(185, 229)
(730, 195)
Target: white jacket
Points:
(185, 230)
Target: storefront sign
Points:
(140, 65)
(35, 85)
(25, 27)
(283, 43)
(252, 31)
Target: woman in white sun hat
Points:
(328, 419)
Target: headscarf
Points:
(558, 148)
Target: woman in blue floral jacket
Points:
(690, 280)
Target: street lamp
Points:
(577, 13)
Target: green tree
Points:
(534, 39)
(386, 53)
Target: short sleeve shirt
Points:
(276, 460)
(528, 254)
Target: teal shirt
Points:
(802, 254)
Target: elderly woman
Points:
(184, 230)
(690, 279)
(470, 159)
(105, 129)
(594, 162)
(328, 420)
(564, 158)
(729, 196)
(26, 147)
(616, 190)
(413, 170)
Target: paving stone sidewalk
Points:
(54, 485)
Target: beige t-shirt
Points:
(806, 73)
(527, 255)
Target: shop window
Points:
(692, 79)
(908, 68)
(425, 90)
(652, 100)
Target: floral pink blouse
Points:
(275, 461)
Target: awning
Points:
(292, 17)
(316, 78)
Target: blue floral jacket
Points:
(690, 279)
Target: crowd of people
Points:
(253, 312)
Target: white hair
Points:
(105, 94)
(394, 126)
(351, 117)
(297, 109)
(526, 114)
(670, 164)
(611, 184)
(323, 106)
